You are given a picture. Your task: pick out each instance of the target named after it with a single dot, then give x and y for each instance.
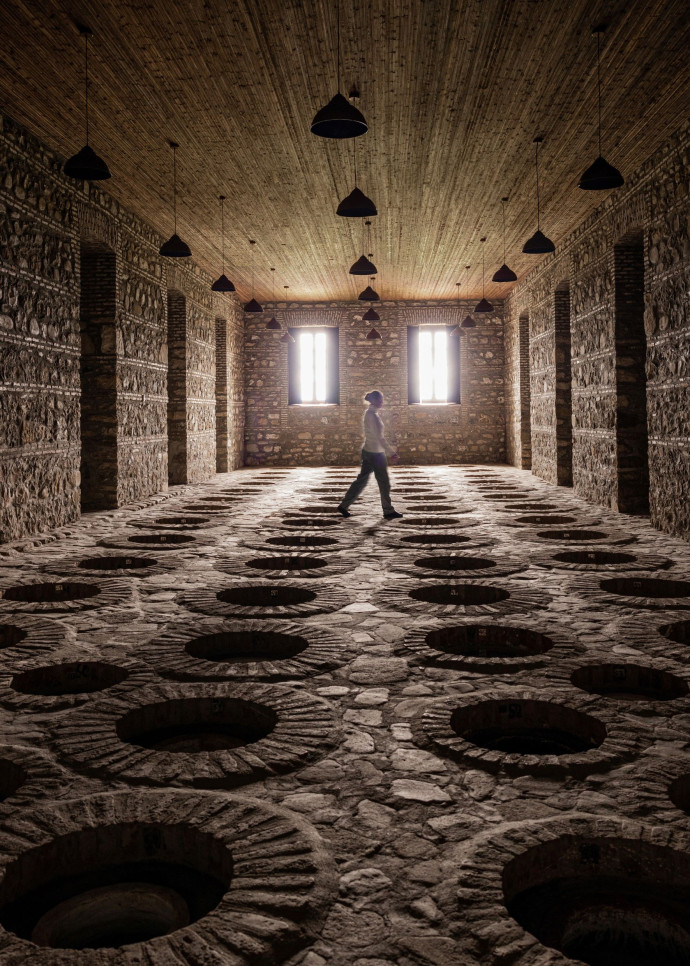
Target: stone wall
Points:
(104, 340)
(608, 351)
(277, 432)
(229, 387)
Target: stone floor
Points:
(240, 729)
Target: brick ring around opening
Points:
(494, 647)
(290, 541)
(280, 565)
(23, 637)
(576, 883)
(525, 732)
(638, 590)
(176, 522)
(225, 880)
(67, 679)
(650, 636)
(435, 539)
(659, 785)
(214, 649)
(436, 521)
(558, 519)
(206, 735)
(576, 535)
(135, 564)
(292, 521)
(480, 598)
(599, 560)
(159, 541)
(25, 775)
(262, 599)
(466, 563)
(55, 593)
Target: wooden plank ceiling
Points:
(453, 90)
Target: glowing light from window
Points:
(312, 351)
(433, 365)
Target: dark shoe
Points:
(394, 515)
(345, 513)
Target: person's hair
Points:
(373, 395)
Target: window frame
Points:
(453, 361)
(332, 364)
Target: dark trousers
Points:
(377, 464)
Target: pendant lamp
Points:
(273, 322)
(356, 205)
(86, 165)
(538, 244)
(504, 274)
(286, 337)
(600, 176)
(223, 283)
(373, 334)
(369, 295)
(339, 118)
(483, 305)
(175, 247)
(468, 322)
(363, 266)
(371, 315)
(252, 305)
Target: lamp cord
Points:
(338, 35)
(86, 82)
(222, 232)
(504, 231)
(536, 161)
(599, 89)
(175, 188)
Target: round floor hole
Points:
(603, 901)
(191, 725)
(209, 507)
(239, 647)
(429, 521)
(488, 640)
(156, 539)
(50, 592)
(425, 497)
(288, 562)
(184, 521)
(303, 540)
(117, 563)
(597, 558)
(266, 596)
(679, 793)
(465, 594)
(678, 632)
(646, 587)
(534, 506)
(311, 523)
(503, 498)
(107, 887)
(12, 777)
(454, 562)
(10, 635)
(629, 682)
(581, 536)
(78, 677)
(436, 538)
(527, 727)
(541, 519)
(318, 508)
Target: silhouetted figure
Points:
(374, 453)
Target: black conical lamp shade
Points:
(363, 267)
(373, 334)
(273, 324)
(339, 119)
(483, 306)
(252, 306)
(371, 315)
(538, 244)
(600, 176)
(86, 166)
(175, 248)
(223, 284)
(368, 295)
(356, 205)
(504, 274)
(468, 323)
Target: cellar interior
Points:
(239, 726)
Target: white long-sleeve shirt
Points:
(374, 439)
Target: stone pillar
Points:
(177, 388)
(222, 452)
(564, 392)
(524, 393)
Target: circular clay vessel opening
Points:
(112, 885)
(303, 540)
(678, 632)
(241, 647)
(646, 587)
(266, 596)
(436, 538)
(629, 682)
(78, 677)
(579, 536)
(287, 562)
(527, 727)
(51, 592)
(679, 793)
(161, 539)
(466, 594)
(488, 640)
(453, 562)
(429, 521)
(12, 777)
(311, 523)
(10, 635)
(184, 521)
(597, 558)
(603, 901)
(192, 725)
(117, 563)
(542, 519)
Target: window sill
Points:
(313, 405)
(435, 405)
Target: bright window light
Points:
(433, 365)
(312, 351)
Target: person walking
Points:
(374, 453)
